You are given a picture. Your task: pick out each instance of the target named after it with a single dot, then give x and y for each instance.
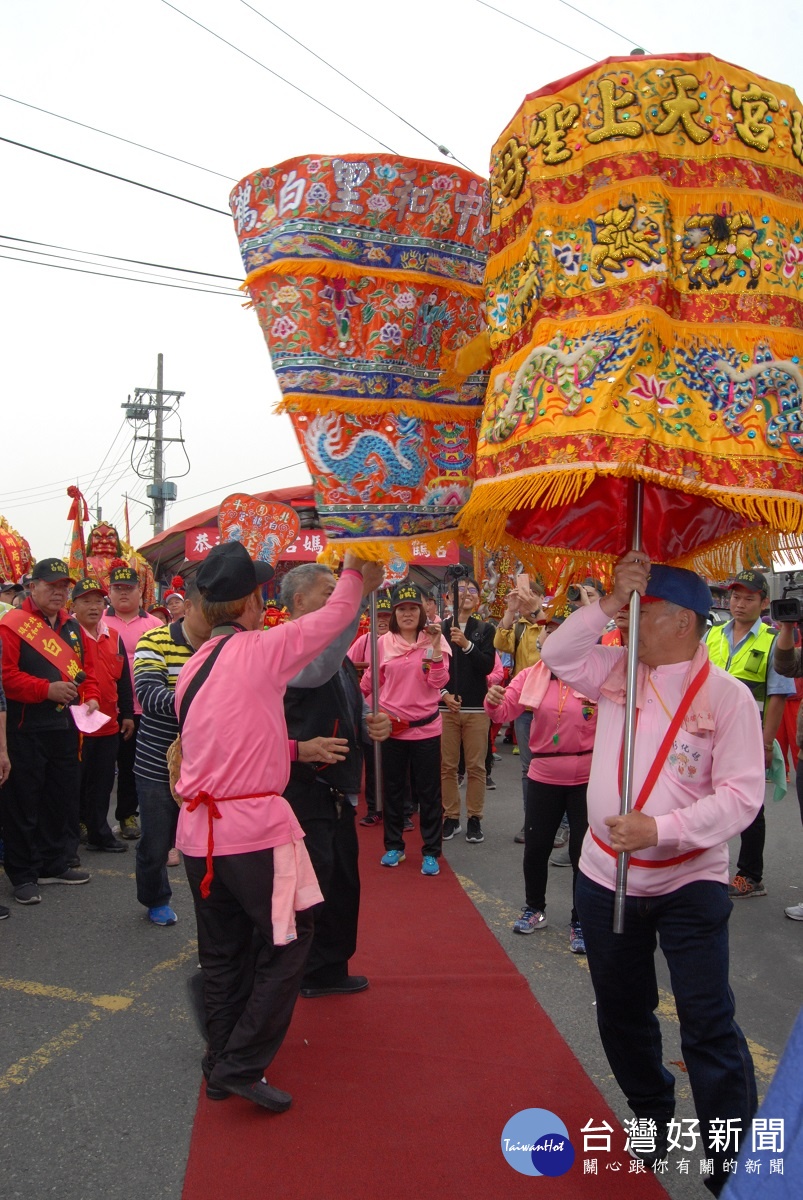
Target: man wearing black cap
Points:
(251, 878)
(744, 648)
(47, 666)
(698, 777)
(9, 593)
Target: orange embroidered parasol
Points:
(16, 559)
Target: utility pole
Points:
(149, 403)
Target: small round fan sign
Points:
(264, 527)
(395, 571)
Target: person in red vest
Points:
(47, 666)
(99, 749)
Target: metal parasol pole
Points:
(636, 511)
(378, 790)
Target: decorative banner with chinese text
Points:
(264, 527)
(366, 275)
(645, 303)
(16, 559)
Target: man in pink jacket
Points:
(251, 879)
(693, 790)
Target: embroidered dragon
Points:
(370, 458)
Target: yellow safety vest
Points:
(750, 663)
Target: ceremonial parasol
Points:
(16, 559)
(366, 276)
(644, 301)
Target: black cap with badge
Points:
(8, 585)
(51, 570)
(754, 581)
(84, 586)
(229, 573)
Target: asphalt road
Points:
(99, 1056)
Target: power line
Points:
(443, 149)
(126, 278)
(237, 482)
(602, 24)
(518, 21)
(289, 83)
(117, 257)
(105, 456)
(111, 175)
(118, 138)
(90, 263)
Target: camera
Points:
(787, 611)
(573, 593)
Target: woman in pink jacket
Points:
(412, 671)
(561, 740)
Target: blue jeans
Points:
(692, 926)
(158, 817)
(522, 726)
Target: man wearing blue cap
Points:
(698, 776)
(744, 648)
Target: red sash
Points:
(655, 771)
(37, 633)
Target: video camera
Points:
(789, 609)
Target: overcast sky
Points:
(74, 345)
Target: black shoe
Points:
(519, 838)
(260, 1093)
(212, 1092)
(490, 786)
(4, 912)
(115, 846)
(346, 987)
(74, 862)
(68, 876)
(451, 826)
(474, 830)
(408, 825)
(27, 893)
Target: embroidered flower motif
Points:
(386, 172)
(651, 388)
(313, 166)
(391, 334)
(568, 256)
(442, 183)
(792, 259)
(282, 327)
(378, 203)
(377, 254)
(498, 313)
(287, 294)
(405, 300)
(318, 194)
(442, 216)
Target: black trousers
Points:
(422, 760)
(127, 803)
(98, 759)
(546, 804)
(334, 851)
(751, 849)
(250, 985)
(39, 803)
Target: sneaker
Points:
(474, 830)
(560, 858)
(162, 915)
(68, 876)
(430, 865)
(27, 893)
(519, 838)
(561, 837)
(497, 757)
(490, 786)
(530, 920)
(4, 912)
(408, 826)
(392, 858)
(371, 818)
(115, 846)
(577, 943)
(742, 887)
(129, 829)
(516, 750)
(74, 862)
(451, 826)
(795, 912)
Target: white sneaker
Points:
(795, 912)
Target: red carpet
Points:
(404, 1090)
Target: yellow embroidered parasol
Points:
(644, 302)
